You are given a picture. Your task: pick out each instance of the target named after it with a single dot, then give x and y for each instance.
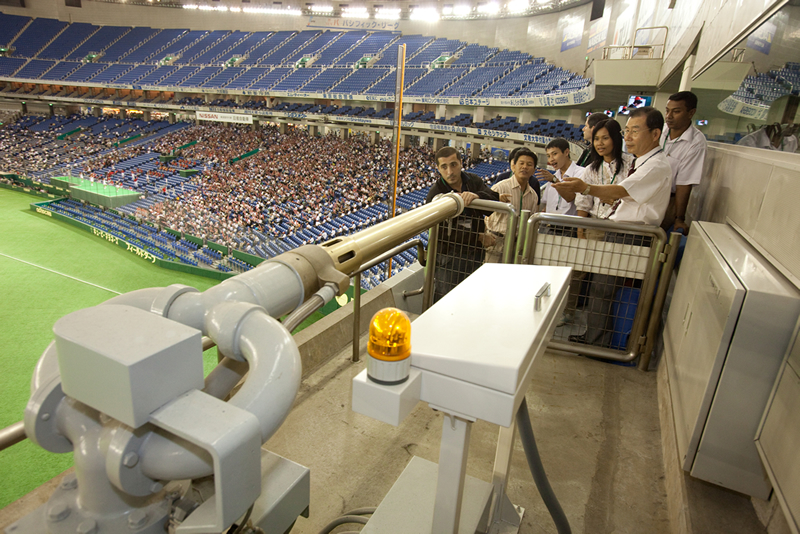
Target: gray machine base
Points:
(408, 507)
(285, 494)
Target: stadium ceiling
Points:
(375, 9)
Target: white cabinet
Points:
(727, 331)
(779, 437)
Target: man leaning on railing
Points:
(459, 240)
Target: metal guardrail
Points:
(634, 51)
(357, 285)
(511, 246)
(613, 309)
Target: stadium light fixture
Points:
(447, 9)
(190, 6)
(518, 6)
(424, 13)
(355, 13)
(462, 10)
(321, 9)
(387, 13)
(492, 8)
(271, 11)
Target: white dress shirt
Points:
(648, 190)
(607, 174)
(686, 154)
(553, 201)
(521, 200)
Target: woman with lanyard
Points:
(608, 167)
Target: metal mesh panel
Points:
(610, 269)
(463, 244)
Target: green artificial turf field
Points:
(47, 270)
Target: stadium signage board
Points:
(575, 98)
(224, 117)
(742, 109)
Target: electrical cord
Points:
(244, 521)
(537, 470)
(343, 521)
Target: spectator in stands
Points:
(516, 190)
(641, 197)
(685, 148)
(558, 157)
(591, 121)
(460, 239)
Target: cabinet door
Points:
(778, 441)
(711, 308)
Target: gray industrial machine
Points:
(156, 447)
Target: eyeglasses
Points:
(634, 132)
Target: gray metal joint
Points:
(316, 268)
(224, 323)
(457, 198)
(162, 303)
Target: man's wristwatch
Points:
(586, 191)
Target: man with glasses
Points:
(641, 197)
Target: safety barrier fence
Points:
(614, 309)
(456, 248)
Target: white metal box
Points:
(126, 362)
(778, 440)
(727, 331)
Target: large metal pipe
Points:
(350, 252)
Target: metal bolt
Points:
(137, 519)
(69, 482)
(130, 459)
(155, 487)
(87, 527)
(58, 512)
(45, 417)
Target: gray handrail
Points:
(357, 285)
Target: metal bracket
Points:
(232, 437)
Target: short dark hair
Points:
(653, 118)
(559, 143)
(444, 152)
(594, 118)
(522, 151)
(685, 96)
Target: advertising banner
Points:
(224, 117)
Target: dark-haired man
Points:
(558, 158)
(459, 240)
(685, 149)
(519, 192)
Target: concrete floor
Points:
(597, 428)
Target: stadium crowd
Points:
(294, 181)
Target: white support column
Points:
(452, 471)
(686, 76)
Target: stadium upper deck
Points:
(311, 61)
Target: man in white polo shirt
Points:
(685, 149)
(642, 197)
(558, 157)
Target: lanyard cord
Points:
(615, 174)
